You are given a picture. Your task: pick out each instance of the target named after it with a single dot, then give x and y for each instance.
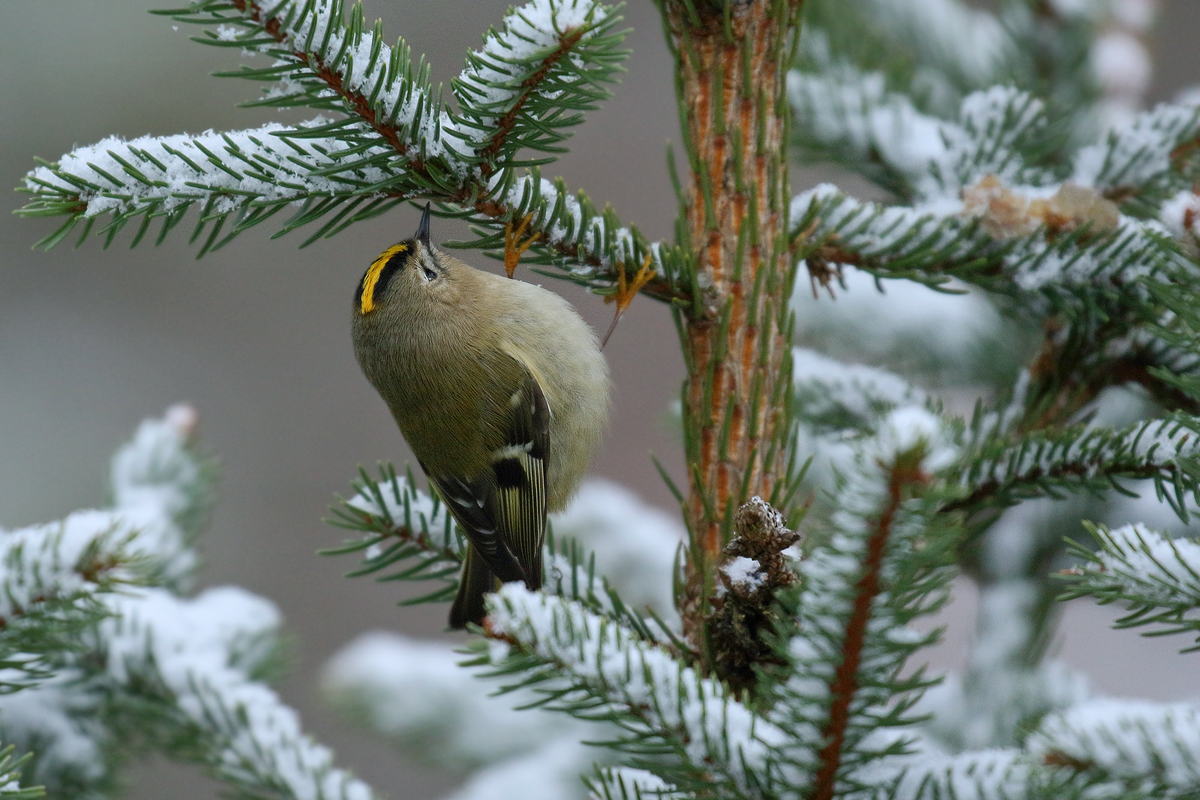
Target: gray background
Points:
(256, 338)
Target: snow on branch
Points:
(382, 138)
(987, 213)
(889, 241)
(846, 115)
(1078, 459)
(996, 132)
(1058, 248)
(357, 166)
(913, 153)
(1094, 254)
(1152, 746)
(626, 783)
(587, 245)
(459, 722)
(387, 139)
(54, 577)
(202, 654)
(533, 79)
(189, 668)
(1155, 577)
(455, 720)
(402, 533)
(163, 487)
(968, 45)
(837, 404)
(996, 774)
(1153, 153)
(326, 62)
(1174, 336)
(551, 772)
(835, 397)
(607, 543)
(882, 567)
(60, 722)
(633, 545)
(10, 777)
(585, 664)
(251, 175)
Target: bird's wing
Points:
(502, 510)
(468, 504)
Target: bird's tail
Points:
(476, 580)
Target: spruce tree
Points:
(827, 505)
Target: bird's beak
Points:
(423, 228)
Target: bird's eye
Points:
(430, 275)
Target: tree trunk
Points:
(732, 64)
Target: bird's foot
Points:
(513, 246)
(627, 290)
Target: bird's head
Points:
(406, 277)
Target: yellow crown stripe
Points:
(367, 302)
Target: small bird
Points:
(500, 390)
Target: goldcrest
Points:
(501, 392)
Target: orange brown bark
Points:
(736, 141)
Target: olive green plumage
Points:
(501, 392)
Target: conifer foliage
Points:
(770, 645)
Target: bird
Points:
(499, 388)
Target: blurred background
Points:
(256, 337)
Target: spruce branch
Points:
(531, 82)
(999, 131)
(57, 579)
(1156, 578)
(163, 467)
(1065, 255)
(146, 667)
(391, 115)
(241, 177)
(58, 721)
(846, 682)
(52, 578)
(996, 472)
(845, 116)
(1054, 57)
(686, 729)
(1146, 160)
(1129, 747)
(883, 566)
(846, 399)
(456, 721)
(625, 783)
(968, 46)
(193, 665)
(935, 52)
(1175, 339)
(831, 229)
(571, 574)
(1081, 358)
(389, 140)
(990, 774)
(403, 533)
(586, 245)
(10, 777)
(938, 52)
(326, 59)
